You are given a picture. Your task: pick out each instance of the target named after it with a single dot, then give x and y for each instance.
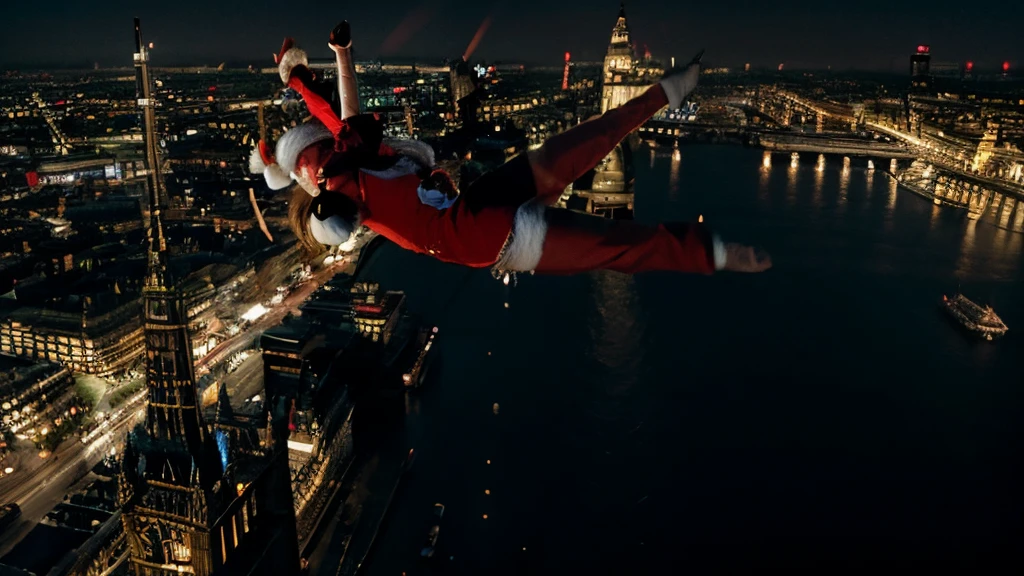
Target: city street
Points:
(37, 492)
(273, 317)
(246, 381)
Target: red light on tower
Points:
(970, 65)
(922, 48)
(565, 74)
(1006, 66)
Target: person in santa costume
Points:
(348, 175)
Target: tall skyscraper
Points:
(195, 499)
(920, 64)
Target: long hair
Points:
(369, 129)
(300, 208)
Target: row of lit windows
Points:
(87, 360)
(28, 341)
(239, 518)
(49, 338)
(73, 353)
(285, 369)
(371, 321)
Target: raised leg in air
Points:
(567, 156)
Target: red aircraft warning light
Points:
(922, 48)
(565, 73)
(1006, 66)
(970, 65)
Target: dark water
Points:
(822, 414)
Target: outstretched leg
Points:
(544, 173)
(577, 243)
(567, 156)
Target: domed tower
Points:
(624, 76)
(608, 189)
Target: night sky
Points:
(868, 34)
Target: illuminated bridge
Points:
(840, 145)
(936, 173)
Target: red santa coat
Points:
(389, 205)
(508, 236)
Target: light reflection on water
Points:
(934, 217)
(844, 187)
(819, 183)
(763, 191)
(996, 245)
(673, 174)
(616, 330)
(792, 177)
(965, 264)
(1013, 246)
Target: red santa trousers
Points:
(576, 243)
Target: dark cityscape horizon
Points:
(402, 306)
(801, 35)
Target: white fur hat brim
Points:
(275, 176)
(294, 141)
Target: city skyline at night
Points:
(803, 35)
(466, 289)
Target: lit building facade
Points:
(608, 189)
(104, 343)
(625, 76)
(376, 314)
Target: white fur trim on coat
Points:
(721, 254)
(333, 231)
(404, 166)
(418, 150)
(529, 230)
(292, 57)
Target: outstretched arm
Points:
(348, 90)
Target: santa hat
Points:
(279, 168)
